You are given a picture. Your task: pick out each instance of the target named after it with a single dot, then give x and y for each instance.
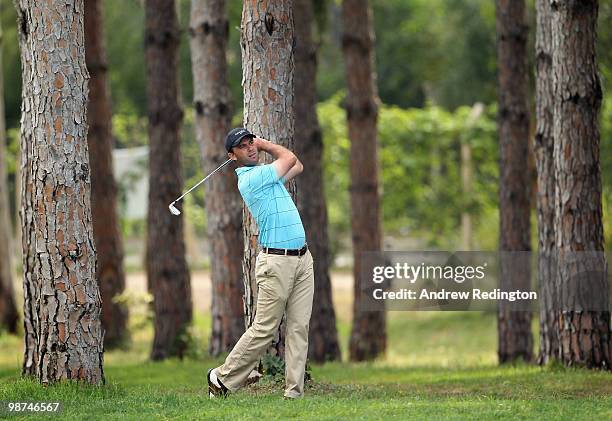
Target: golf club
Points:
(173, 209)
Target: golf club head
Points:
(173, 209)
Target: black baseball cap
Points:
(234, 137)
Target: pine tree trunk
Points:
(213, 113)
(8, 309)
(103, 187)
(584, 331)
(167, 271)
(368, 334)
(544, 143)
(514, 327)
(267, 78)
(323, 335)
(31, 285)
(62, 303)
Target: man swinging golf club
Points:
(283, 270)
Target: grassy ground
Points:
(438, 366)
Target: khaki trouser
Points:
(285, 283)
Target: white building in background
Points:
(131, 170)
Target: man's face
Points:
(245, 153)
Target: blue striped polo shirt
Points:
(277, 217)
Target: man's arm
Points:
(284, 161)
(295, 170)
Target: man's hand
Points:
(261, 144)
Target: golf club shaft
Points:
(203, 180)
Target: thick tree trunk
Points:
(31, 285)
(213, 113)
(103, 187)
(514, 327)
(267, 80)
(368, 334)
(584, 329)
(323, 335)
(8, 309)
(62, 303)
(167, 271)
(544, 143)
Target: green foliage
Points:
(336, 170)
(441, 51)
(131, 228)
(438, 55)
(420, 169)
(437, 50)
(141, 309)
(460, 64)
(194, 343)
(129, 129)
(124, 37)
(273, 370)
(273, 366)
(11, 63)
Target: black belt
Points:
(287, 252)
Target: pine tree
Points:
(584, 322)
(514, 326)
(167, 271)
(109, 272)
(213, 113)
(323, 335)
(62, 303)
(368, 333)
(267, 74)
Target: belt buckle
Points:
(286, 250)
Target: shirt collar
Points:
(242, 170)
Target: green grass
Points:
(438, 366)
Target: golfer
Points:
(283, 270)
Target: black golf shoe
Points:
(215, 387)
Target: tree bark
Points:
(584, 330)
(167, 271)
(323, 335)
(514, 327)
(368, 333)
(213, 113)
(545, 199)
(62, 303)
(8, 309)
(103, 187)
(31, 285)
(267, 80)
